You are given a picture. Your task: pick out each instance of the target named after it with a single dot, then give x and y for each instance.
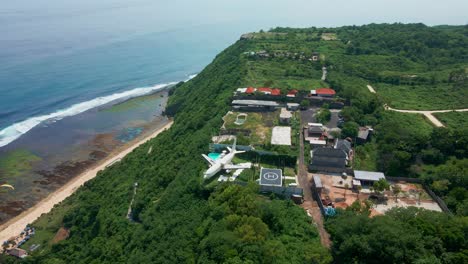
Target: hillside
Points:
(180, 219)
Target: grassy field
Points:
(423, 97)
(17, 162)
(453, 119)
(285, 74)
(260, 124)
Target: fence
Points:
(234, 131)
(287, 192)
(434, 196)
(316, 196)
(214, 147)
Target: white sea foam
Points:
(13, 132)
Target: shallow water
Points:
(52, 153)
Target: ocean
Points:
(68, 103)
(65, 85)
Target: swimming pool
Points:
(214, 156)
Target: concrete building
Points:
(367, 178)
(241, 90)
(281, 136)
(364, 135)
(292, 93)
(345, 146)
(292, 106)
(325, 92)
(327, 160)
(18, 252)
(285, 116)
(315, 134)
(318, 183)
(254, 105)
(315, 56)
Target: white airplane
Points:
(224, 162)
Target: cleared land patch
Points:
(260, 125)
(287, 74)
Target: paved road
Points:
(333, 123)
(309, 204)
(308, 116)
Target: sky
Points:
(55, 25)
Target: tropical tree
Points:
(396, 189)
(380, 186)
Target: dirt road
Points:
(14, 226)
(309, 204)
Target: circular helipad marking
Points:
(270, 176)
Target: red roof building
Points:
(326, 92)
(276, 91)
(265, 90)
(250, 90)
(292, 93)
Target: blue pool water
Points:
(214, 156)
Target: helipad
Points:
(272, 177)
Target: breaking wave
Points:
(13, 132)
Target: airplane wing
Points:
(210, 160)
(238, 166)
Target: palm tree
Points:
(396, 190)
(359, 188)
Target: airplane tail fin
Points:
(234, 144)
(234, 147)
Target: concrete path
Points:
(324, 73)
(427, 113)
(371, 89)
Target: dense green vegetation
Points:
(422, 97)
(454, 120)
(179, 219)
(401, 236)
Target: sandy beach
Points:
(14, 226)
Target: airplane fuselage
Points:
(219, 165)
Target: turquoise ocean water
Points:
(79, 82)
(63, 85)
